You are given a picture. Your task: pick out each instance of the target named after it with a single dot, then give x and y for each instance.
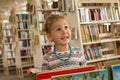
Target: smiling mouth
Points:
(66, 37)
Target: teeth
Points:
(64, 37)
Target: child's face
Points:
(60, 32)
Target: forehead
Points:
(60, 21)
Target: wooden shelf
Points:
(101, 41)
(103, 59)
(23, 29)
(47, 10)
(21, 39)
(100, 22)
(97, 1)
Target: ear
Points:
(49, 36)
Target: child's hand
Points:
(32, 71)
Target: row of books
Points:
(8, 39)
(23, 34)
(99, 65)
(24, 43)
(92, 53)
(6, 25)
(95, 32)
(11, 61)
(21, 17)
(102, 13)
(26, 61)
(101, 50)
(8, 47)
(23, 25)
(10, 54)
(25, 52)
(7, 32)
(90, 33)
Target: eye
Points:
(58, 29)
(66, 27)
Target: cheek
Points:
(70, 33)
(54, 37)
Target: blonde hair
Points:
(50, 21)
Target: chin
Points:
(65, 43)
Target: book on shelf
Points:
(21, 17)
(100, 74)
(90, 32)
(10, 54)
(30, 8)
(10, 61)
(24, 43)
(7, 32)
(98, 65)
(40, 17)
(116, 13)
(23, 25)
(23, 34)
(48, 75)
(102, 13)
(116, 72)
(25, 52)
(8, 39)
(92, 52)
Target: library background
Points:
(95, 29)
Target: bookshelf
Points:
(24, 56)
(9, 62)
(97, 27)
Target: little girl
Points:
(64, 56)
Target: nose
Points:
(64, 31)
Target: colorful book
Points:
(101, 74)
(88, 53)
(48, 75)
(116, 72)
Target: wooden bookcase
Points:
(24, 56)
(9, 61)
(97, 27)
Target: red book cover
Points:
(47, 75)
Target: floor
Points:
(11, 77)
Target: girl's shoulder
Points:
(48, 54)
